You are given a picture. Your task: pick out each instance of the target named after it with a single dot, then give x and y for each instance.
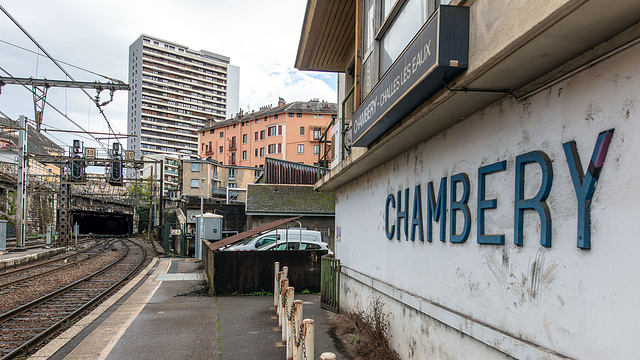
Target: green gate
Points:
(175, 239)
(330, 284)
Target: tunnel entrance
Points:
(103, 222)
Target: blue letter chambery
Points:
(410, 214)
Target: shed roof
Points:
(289, 199)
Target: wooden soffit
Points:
(327, 35)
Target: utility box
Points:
(3, 235)
(211, 230)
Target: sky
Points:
(261, 37)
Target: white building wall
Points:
(233, 91)
(484, 301)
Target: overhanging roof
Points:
(243, 235)
(571, 38)
(327, 35)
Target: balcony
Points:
(232, 159)
(232, 145)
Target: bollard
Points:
(280, 278)
(308, 337)
(296, 338)
(276, 283)
(290, 292)
(284, 284)
(328, 356)
(285, 271)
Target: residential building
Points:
(166, 167)
(290, 131)
(215, 180)
(173, 91)
(486, 197)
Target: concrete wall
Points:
(469, 300)
(233, 272)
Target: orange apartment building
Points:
(290, 131)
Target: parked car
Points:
(296, 245)
(293, 234)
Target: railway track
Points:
(29, 325)
(21, 275)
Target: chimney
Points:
(281, 102)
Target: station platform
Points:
(163, 314)
(11, 259)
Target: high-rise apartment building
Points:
(173, 91)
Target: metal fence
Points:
(330, 284)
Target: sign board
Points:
(129, 155)
(438, 53)
(89, 153)
(176, 232)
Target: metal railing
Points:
(330, 283)
(344, 128)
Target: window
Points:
(256, 121)
(265, 118)
(301, 130)
(221, 149)
(300, 148)
(320, 116)
(233, 158)
(299, 115)
(279, 148)
(211, 131)
(195, 183)
(244, 138)
(279, 129)
(195, 167)
(221, 134)
(234, 126)
(232, 174)
(261, 134)
(233, 185)
(275, 116)
(316, 149)
(387, 28)
(407, 22)
(256, 134)
(271, 131)
(271, 149)
(290, 114)
(256, 153)
(261, 152)
(244, 154)
(317, 132)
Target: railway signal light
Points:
(77, 162)
(116, 172)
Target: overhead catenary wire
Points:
(53, 107)
(59, 66)
(63, 62)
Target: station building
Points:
(486, 184)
